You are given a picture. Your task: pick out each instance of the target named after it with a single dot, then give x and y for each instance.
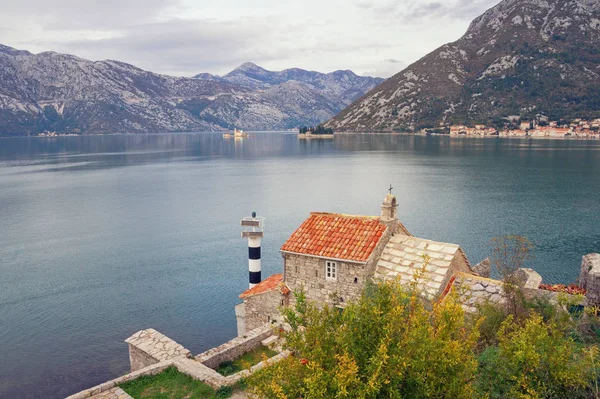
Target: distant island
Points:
(318, 131)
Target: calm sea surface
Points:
(103, 236)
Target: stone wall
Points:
(262, 309)
(110, 385)
(308, 273)
(475, 290)
(235, 348)
(590, 278)
(138, 359)
(240, 318)
(147, 347)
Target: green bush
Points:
(536, 360)
(227, 368)
(223, 392)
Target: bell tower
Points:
(389, 207)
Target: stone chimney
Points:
(389, 208)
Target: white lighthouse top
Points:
(253, 226)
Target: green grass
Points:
(245, 361)
(170, 384)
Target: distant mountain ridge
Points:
(345, 84)
(65, 93)
(520, 58)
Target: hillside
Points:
(520, 58)
(67, 94)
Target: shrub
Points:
(388, 344)
(224, 392)
(227, 368)
(535, 360)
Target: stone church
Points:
(331, 256)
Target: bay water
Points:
(102, 236)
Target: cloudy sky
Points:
(185, 37)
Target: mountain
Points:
(301, 97)
(520, 58)
(64, 93)
(343, 85)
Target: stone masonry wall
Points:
(590, 278)
(234, 348)
(147, 347)
(308, 273)
(263, 309)
(139, 359)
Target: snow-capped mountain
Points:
(520, 58)
(64, 93)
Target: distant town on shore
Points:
(540, 127)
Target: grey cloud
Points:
(385, 68)
(179, 47)
(189, 47)
(85, 14)
(410, 10)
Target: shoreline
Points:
(462, 136)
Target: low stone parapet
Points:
(115, 393)
(147, 347)
(150, 346)
(110, 385)
(235, 348)
(528, 278)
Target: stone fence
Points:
(151, 352)
(109, 385)
(235, 348)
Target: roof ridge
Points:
(427, 239)
(345, 215)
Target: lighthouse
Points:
(253, 230)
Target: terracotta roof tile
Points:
(336, 236)
(269, 284)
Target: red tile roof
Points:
(272, 283)
(336, 236)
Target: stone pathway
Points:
(115, 393)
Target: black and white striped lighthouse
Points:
(253, 230)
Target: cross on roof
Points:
(390, 189)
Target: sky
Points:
(186, 37)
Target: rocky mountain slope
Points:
(520, 58)
(64, 93)
(345, 86)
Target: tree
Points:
(389, 344)
(509, 254)
(537, 359)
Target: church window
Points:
(330, 271)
